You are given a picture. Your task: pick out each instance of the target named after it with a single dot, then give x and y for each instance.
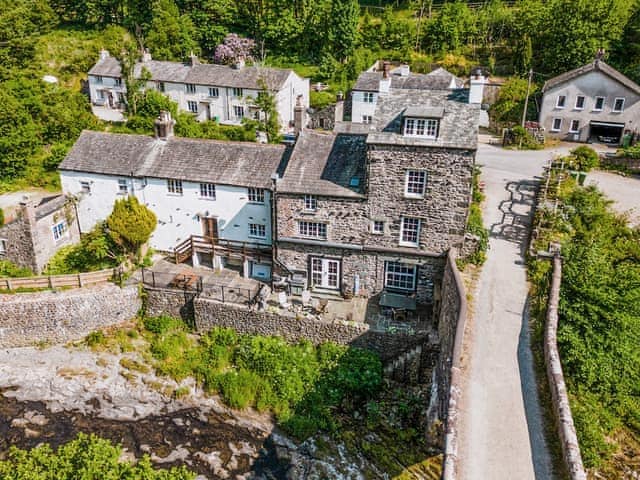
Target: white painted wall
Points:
(108, 83)
(178, 215)
(359, 107)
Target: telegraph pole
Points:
(526, 100)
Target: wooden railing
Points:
(211, 245)
(74, 280)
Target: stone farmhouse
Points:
(211, 92)
(197, 188)
(593, 103)
(37, 230)
(376, 207)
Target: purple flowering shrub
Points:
(234, 48)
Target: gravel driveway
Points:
(624, 191)
(501, 435)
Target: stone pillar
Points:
(298, 116)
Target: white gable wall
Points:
(359, 107)
(178, 215)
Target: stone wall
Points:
(631, 164)
(210, 313)
(451, 325)
(559, 397)
(443, 210)
(57, 317)
(367, 266)
(29, 237)
(167, 301)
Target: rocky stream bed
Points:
(50, 395)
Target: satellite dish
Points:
(49, 79)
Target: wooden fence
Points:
(74, 280)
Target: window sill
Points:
(407, 244)
(377, 233)
(256, 203)
(320, 239)
(256, 237)
(413, 196)
(554, 131)
(210, 199)
(170, 194)
(597, 110)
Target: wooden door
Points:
(210, 227)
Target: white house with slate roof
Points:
(211, 92)
(379, 81)
(195, 187)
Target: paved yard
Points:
(501, 435)
(624, 191)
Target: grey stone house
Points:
(36, 231)
(376, 207)
(593, 103)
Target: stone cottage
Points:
(376, 207)
(36, 231)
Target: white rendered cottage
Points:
(211, 92)
(203, 188)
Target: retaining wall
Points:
(632, 164)
(176, 303)
(58, 317)
(211, 313)
(559, 397)
(451, 325)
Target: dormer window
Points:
(421, 127)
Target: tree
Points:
(18, 136)
(169, 36)
(343, 28)
(130, 224)
(453, 27)
(625, 54)
(507, 110)
(266, 102)
(234, 48)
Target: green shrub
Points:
(239, 389)
(584, 158)
(10, 269)
(95, 338)
(1, 217)
(163, 324)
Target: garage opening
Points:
(605, 132)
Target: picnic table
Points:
(184, 280)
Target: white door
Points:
(325, 273)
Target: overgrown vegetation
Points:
(599, 326)
(9, 269)
(86, 457)
(475, 225)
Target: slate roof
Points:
(48, 205)
(214, 75)
(107, 67)
(325, 163)
(424, 112)
(598, 65)
(458, 126)
(197, 160)
(439, 79)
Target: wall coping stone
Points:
(559, 398)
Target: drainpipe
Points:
(274, 222)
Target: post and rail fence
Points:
(73, 280)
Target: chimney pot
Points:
(163, 126)
(146, 56)
(103, 54)
(298, 115)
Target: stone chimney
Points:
(476, 86)
(239, 63)
(385, 82)
(163, 126)
(193, 60)
(404, 70)
(104, 54)
(28, 212)
(146, 56)
(339, 111)
(599, 55)
(298, 116)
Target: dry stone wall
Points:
(57, 317)
(166, 301)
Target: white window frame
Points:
(374, 227)
(214, 92)
(161, 86)
(310, 203)
(238, 111)
(621, 109)
(369, 97)
(123, 186)
(60, 231)
(190, 87)
(118, 81)
(574, 130)
(99, 79)
(317, 230)
(321, 273)
(237, 92)
(256, 195)
(564, 101)
(400, 276)
(421, 127)
(257, 230)
(174, 186)
(409, 228)
(367, 119)
(576, 107)
(3, 246)
(192, 106)
(413, 185)
(595, 104)
(553, 124)
(85, 186)
(208, 191)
